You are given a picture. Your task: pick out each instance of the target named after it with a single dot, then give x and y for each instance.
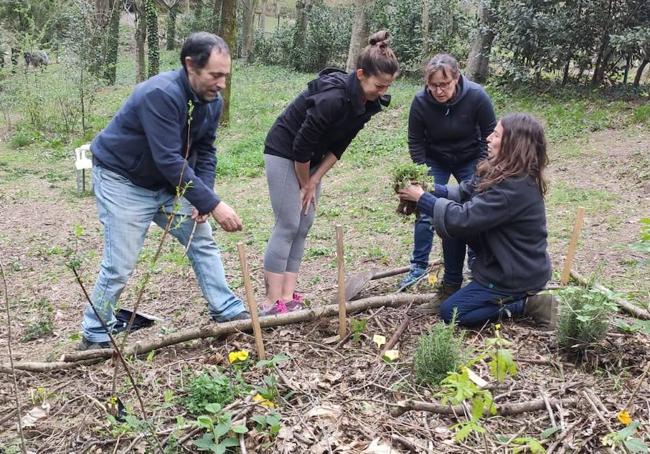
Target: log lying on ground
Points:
(628, 307)
(404, 406)
(223, 329)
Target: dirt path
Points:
(607, 173)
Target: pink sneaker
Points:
(279, 307)
(297, 302)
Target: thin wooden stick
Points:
(250, 300)
(396, 335)
(503, 410)
(341, 278)
(573, 245)
(11, 361)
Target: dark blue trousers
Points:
(477, 304)
(453, 251)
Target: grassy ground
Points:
(599, 160)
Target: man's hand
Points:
(411, 193)
(197, 217)
(226, 217)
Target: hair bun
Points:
(379, 39)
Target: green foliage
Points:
(500, 359)
(438, 353)
(357, 327)
(43, 325)
(643, 245)
(538, 38)
(269, 424)
(211, 387)
(527, 444)
(642, 114)
(220, 433)
(584, 317)
(449, 27)
(458, 387)
(273, 362)
(409, 173)
(626, 440)
(325, 43)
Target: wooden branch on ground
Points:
(404, 406)
(222, 329)
(628, 307)
(396, 335)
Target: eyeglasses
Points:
(441, 86)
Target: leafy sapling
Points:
(406, 174)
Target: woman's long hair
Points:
(523, 152)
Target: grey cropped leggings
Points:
(287, 242)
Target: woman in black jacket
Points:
(302, 146)
(449, 122)
(502, 217)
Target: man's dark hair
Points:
(200, 45)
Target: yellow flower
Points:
(624, 417)
(497, 326)
(238, 356)
(263, 402)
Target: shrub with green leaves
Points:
(211, 387)
(438, 353)
(584, 317)
(406, 174)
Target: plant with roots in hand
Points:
(405, 175)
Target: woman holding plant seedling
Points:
(501, 215)
(449, 121)
(302, 146)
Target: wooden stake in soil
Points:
(341, 293)
(573, 245)
(250, 301)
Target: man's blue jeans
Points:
(477, 304)
(126, 212)
(453, 251)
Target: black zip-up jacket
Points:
(323, 118)
(505, 225)
(454, 132)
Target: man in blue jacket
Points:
(157, 159)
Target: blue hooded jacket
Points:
(147, 139)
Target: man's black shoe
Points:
(241, 316)
(85, 344)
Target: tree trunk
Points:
(628, 62)
(425, 28)
(112, 43)
(479, 55)
(565, 72)
(217, 23)
(229, 34)
(261, 23)
(140, 37)
(300, 31)
(639, 73)
(248, 29)
(359, 36)
(171, 27)
(153, 43)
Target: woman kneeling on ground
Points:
(302, 146)
(501, 214)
